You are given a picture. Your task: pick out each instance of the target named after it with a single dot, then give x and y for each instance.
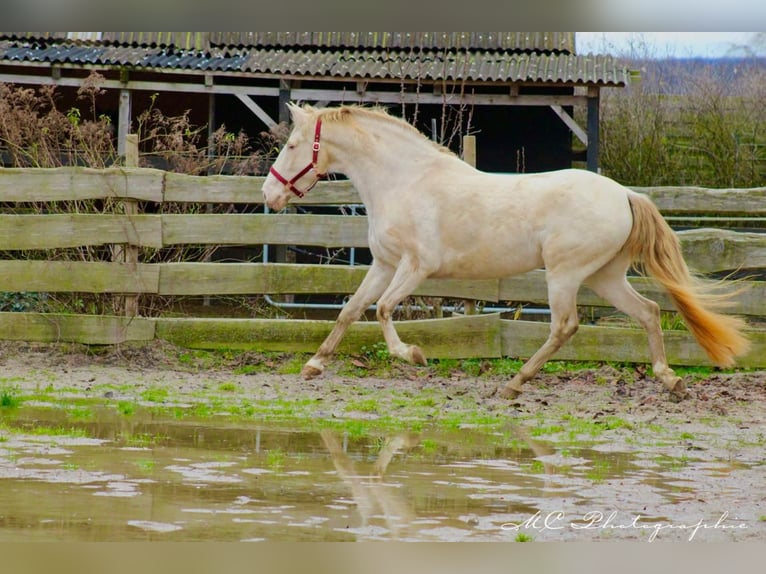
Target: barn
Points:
(529, 98)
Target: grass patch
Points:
(155, 395)
(363, 405)
(141, 439)
(521, 537)
(9, 398)
(126, 408)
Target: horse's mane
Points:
(347, 113)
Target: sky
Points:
(664, 44)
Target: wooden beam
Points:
(81, 183)
(79, 276)
(454, 338)
(444, 98)
(284, 99)
(187, 87)
(22, 232)
(123, 123)
(256, 109)
(571, 124)
(85, 329)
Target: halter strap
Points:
(290, 183)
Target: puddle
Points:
(145, 477)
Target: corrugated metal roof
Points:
(524, 41)
(520, 41)
(439, 65)
(135, 56)
(406, 64)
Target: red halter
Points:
(312, 166)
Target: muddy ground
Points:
(629, 392)
(720, 428)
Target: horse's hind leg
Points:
(374, 283)
(562, 299)
(611, 284)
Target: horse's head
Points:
(297, 167)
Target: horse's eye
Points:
(290, 146)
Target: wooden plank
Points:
(85, 329)
(521, 339)
(80, 184)
(699, 200)
(213, 189)
(75, 229)
(456, 338)
(281, 278)
(246, 189)
(712, 250)
(78, 277)
(531, 288)
(272, 229)
(420, 97)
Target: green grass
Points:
(141, 439)
(9, 398)
(126, 408)
(363, 405)
(521, 537)
(155, 395)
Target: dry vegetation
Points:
(687, 125)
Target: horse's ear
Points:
(297, 113)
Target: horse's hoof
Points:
(417, 356)
(508, 392)
(679, 390)
(309, 372)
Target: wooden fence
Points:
(708, 250)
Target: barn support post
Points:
(126, 253)
(123, 121)
(593, 124)
(284, 97)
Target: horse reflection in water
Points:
(372, 495)
(432, 215)
(377, 498)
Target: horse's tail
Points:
(655, 244)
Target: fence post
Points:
(128, 254)
(469, 156)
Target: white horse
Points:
(432, 215)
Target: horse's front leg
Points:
(406, 279)
(373, 284)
